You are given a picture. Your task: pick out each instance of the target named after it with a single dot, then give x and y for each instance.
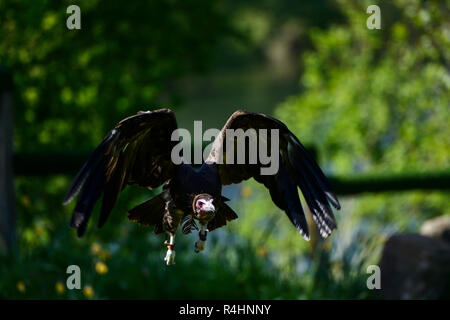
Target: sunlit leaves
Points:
(121, 61)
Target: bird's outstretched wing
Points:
(136, 151)
(296, 168)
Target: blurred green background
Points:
(369, 101)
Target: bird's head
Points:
(203, 207)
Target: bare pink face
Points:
(204, 208)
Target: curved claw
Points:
(170, 257)
(200, 246)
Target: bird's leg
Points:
(201, 243)
(170, 255)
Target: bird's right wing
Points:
(137, 151)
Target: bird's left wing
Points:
(295, 168)
(136, 151)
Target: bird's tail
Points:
(150, 212)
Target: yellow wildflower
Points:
(261, 251)
(25, 200)
(96, 248)
(59, 287)
(101, 267)
(246, 191)
(21, 286)
(88, 291)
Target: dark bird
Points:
(139, 151)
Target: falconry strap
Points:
(169, 246)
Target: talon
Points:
(200, 246)
(170, 255)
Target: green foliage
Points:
(71, 86)
(124, 260)
(377, 101)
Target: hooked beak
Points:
(209, 207)
(207, 211)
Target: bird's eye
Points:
(200, 203)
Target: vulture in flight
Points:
(139, 151)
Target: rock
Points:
(415, 267)
(438, 228)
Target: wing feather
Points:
(136, 151)
(296, 169)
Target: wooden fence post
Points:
(7, 201)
